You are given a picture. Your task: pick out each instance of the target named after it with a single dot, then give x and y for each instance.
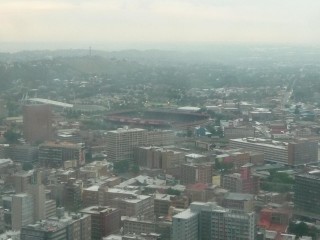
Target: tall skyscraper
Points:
(37, 122)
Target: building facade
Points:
(37, 123)
(104, 221)
(307, 194)
(294, 153)
(121, 142)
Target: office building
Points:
(23, 153)
(294, 153)
(121, 142)
(104, 221)
(307, 194)
(22, 210)
(54, 154)
(37, 191)
(37, 123)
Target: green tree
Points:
(27, 166)
(135, 168)
(171, 191)
(299, 229)
(121, 166)
(11, 136)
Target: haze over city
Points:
(159, 120)
(145, 24)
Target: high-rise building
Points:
(307, 194)
(121, 142)
(37, 122)
(37, 191)
(104, 221)
(22, 210)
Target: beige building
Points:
(137, 205)
(196, 173)
(157, 157)
(161, 137)
(37, 122)
(104, 221)
(37, 191)
(22, 210)
(121, 142)
(293, 153)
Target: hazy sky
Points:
(258, 21)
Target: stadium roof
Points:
(51, 102)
